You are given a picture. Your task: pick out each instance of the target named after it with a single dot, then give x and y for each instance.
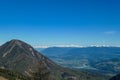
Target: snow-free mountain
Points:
(20, 61)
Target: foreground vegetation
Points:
(67, 75)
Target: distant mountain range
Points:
(20, 61)
(104, 59)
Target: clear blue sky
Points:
(50, 22)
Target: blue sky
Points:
(61, 22)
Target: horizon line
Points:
(77, 46)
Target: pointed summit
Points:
(18, 45)
(15, 41)
(19, 56)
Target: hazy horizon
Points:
(63, 45)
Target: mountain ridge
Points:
(100, 58)
(19, 56)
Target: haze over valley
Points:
(91, 58)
